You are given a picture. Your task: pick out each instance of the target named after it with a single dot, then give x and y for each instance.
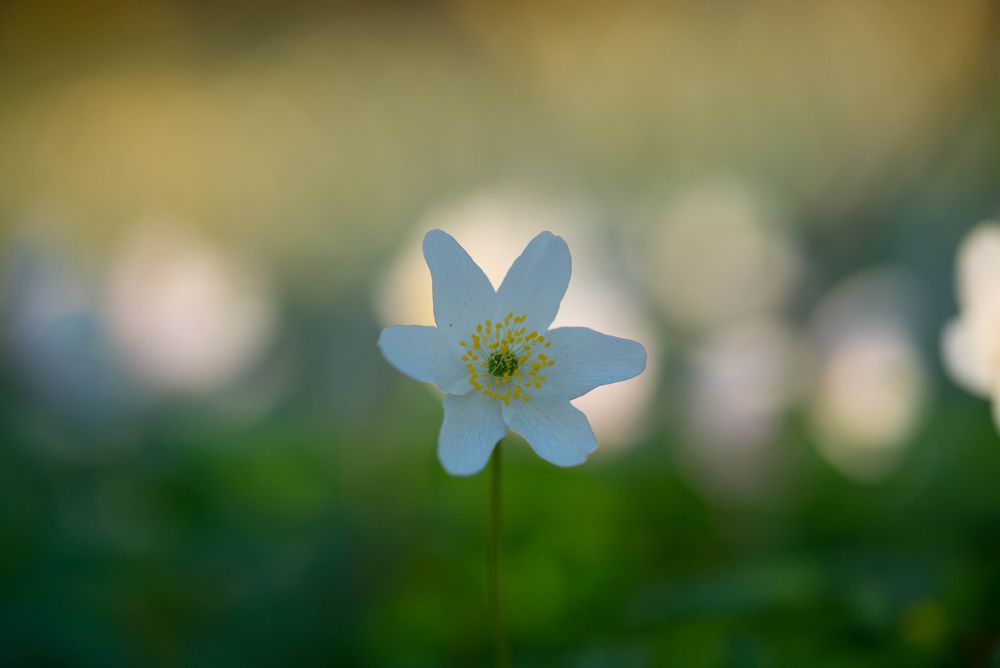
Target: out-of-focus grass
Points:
(196, 545)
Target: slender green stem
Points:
(495, 602)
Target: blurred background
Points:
(208, 213)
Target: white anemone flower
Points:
(620, 415)
(971, 341)
(498, 363)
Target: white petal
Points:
(966, 357)
(585, 359)
(463, 295)
(426, 353)
(471, 428)
(554, 428)
(537, 281)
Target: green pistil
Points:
(502, 364)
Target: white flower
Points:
(496, 360)
(598, 295)
(971, 342)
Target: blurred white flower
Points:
(743, 378)
(716, 255)
(596, 296)
(871, 385)
(971, 341)
(184, 315)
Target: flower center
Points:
(504, 362)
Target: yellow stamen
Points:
(510, 367)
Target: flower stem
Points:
(493, 592)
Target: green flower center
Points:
(502, 363)
(505, 362)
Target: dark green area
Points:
(502, 364)
(314, 542)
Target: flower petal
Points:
(586, 359)
(966, 355)
(463, 296)
(425, 353)
(554, 428)
(537, 281)
(471, 428)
